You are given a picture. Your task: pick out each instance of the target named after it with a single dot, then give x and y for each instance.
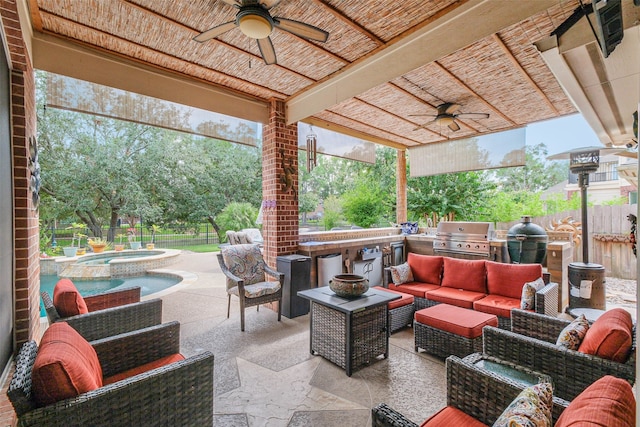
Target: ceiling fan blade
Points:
(215, 31)
(454, 126)
(268, 4)
(237, 3)
(267, 51)
(300, 29)
(472, 116)
(451, 108)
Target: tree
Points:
(363, 205)
(536, 175)
(307, 202)
(466, 194)
(236, 216)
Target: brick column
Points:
(401, 187)
(26, 228)
(279, 185)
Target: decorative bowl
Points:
(349, 285)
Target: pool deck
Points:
(266, 375)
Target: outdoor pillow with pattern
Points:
(401, 274)
(572, 335)
(529, 289)
(531, 408)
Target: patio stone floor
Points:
(266, 375)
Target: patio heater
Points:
(586, 280)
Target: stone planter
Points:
(98, 248)
(70, 251)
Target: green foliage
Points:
(332, 212)
(236, 216)
(505, 207)
(466, 194)
(308, 202)
(536, 175)
(557, 203)
(620, 200)
(363, 206)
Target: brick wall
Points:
(279, 185)
(26, 241)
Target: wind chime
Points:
(312, 153)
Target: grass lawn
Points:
(199, 248)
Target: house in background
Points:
(616, 176)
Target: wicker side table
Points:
(351, 333)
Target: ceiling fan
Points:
(255, 21)
(447, 114)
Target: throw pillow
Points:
(572, 335)
(529, 289)
(401, 274)
(610, 336)
(531, 408)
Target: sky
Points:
(562, 134)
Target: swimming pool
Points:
(106, 258)
(150, 284)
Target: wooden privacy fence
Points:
(609, 237)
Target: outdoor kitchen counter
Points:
(349, 249)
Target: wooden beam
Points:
(70, 59)
(456, 27)
(524, 73)
(315, 121)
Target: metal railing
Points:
(173, 236)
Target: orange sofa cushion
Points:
(508, 279)
(405, 299)
(450, 416)
(459, 297)
(66, 366)
(414, 288)
(466, 274)
(167, 360)
(496, 304)
(459, 321)
(610, 336)
(67, 299)
(425, 268)
(607, 402)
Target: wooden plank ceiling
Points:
(384, 61)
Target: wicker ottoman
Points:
(444, 329)
(400, 311)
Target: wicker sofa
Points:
(101, 315)
(487, 286)
(145, 381)
(532, 343)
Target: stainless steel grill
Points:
(464, 239)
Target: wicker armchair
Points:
(531, 343)
(179, 393)
(110, 313)
(474, 391)
(246, 272)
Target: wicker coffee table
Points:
(351, 333)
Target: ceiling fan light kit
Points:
(255, 21)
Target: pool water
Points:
(107, 258)
(149, 285)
